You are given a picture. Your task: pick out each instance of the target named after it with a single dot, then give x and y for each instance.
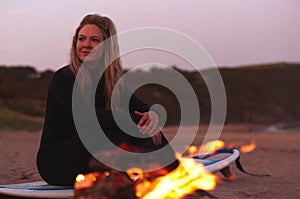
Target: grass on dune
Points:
(15, 121)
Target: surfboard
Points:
(40, 189)
(218, 160)
(37, 189)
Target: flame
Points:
(212, 146)
(248, 148)
(193, 150)
(188, 177)
(185, 179)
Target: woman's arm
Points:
(148, 120)
(61, 90)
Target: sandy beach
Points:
(277, 154)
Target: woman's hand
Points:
(148, 124)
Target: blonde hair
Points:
(110, 57)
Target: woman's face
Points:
(89, 37)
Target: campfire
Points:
(185, 179)
(188, 178)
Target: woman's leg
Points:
(60, 164)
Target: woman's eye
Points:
(96, 40)
(80, 39)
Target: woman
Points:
(62, 155)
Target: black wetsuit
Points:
(62, 155)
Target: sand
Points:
(277, 154)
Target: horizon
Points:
(149, 68)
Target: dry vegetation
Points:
(255, 94)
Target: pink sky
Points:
(38, 33)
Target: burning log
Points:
(111, 184)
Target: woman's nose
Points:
(88, 43)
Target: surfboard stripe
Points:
(38, 188)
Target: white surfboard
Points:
(218, 160)
(37, 189)
(40, 189)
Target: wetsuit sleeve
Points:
(61, 89)
(135, 104)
